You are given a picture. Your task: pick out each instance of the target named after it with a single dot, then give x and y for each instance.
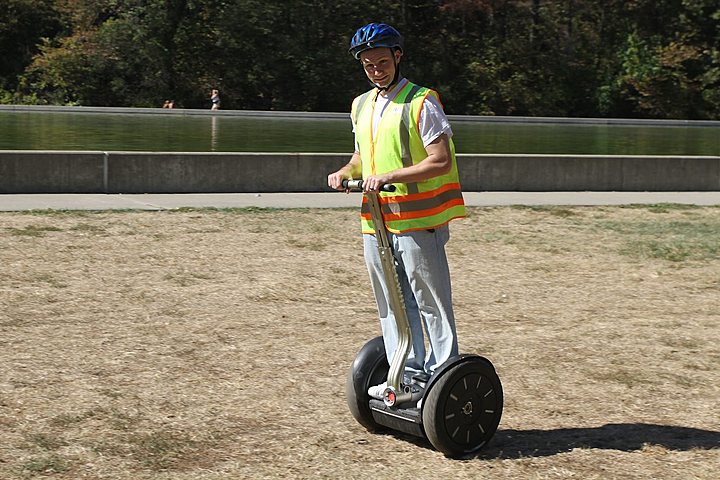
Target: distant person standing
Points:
(215, 99)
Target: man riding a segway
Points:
(405, 156)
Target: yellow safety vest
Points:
(413, 206)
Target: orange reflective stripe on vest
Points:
(417, 205)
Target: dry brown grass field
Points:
(214, 344)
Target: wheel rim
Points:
(470, 411)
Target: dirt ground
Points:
(204, 344)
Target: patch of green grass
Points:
(47, 465)
(673, 250)
(662, 207)
(156, 450)
(562, 212)
(159, 450)
(111, 393)
(50, 212)
(675, 241)
(46, 441)
(658, 228)
(554, 210)
(305, 245)
(87, 227)
(234, 210)
(700, 367)
(683, 343)
(65, 420)
(502, 236)
(186, 279)
(51, 280)
(33, 231)
(123, 421)
(625, 377)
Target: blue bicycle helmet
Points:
(374, 35)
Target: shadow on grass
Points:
(627, 437)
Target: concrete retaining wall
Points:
(51, 172)
(153, 172)
(538, 173)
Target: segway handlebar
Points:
(358, 185)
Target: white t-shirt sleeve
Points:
(357, 147)
(433, 122)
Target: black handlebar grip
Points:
(358, 185)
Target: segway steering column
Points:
(396, 392)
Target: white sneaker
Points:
(377, 391)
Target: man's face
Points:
(379, 65)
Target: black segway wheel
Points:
(462, 410)
(369, 368)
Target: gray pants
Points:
(425, 282)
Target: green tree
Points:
(23, 25)
(646, 58)
(669, 61)
(119, 53)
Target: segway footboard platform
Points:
(408, 420)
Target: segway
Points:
(462, 401)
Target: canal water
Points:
(226, 132)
